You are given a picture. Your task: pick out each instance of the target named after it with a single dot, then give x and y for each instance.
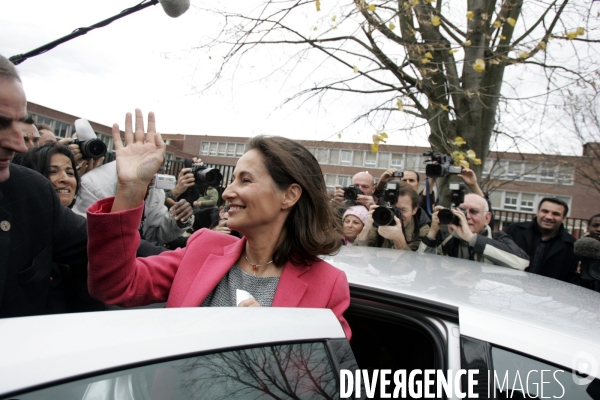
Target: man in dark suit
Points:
(546, 242)
(35, 229)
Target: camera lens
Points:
(383, 216)
(210, 176)
(350, 194)
(94, 148)
(446, 216)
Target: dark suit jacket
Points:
(559, 261)
(186, 276)
(36, 231)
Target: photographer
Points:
(209, 200)
(363, 185)
(412, 179)
(404, 233)
(470, 237)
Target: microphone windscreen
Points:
(84, 130)
(587, 247)
(175, 8)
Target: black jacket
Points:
(36, 231)
(559, 262)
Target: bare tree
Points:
(438, 62)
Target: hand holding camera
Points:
(186, 179)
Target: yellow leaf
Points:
(400, 105)
(477, 161)
(429, 1)
(580, 31)
(371, 7)
(339, 135)
(374, 148)
(429, 55)
(424, 60)
(502, 37)
(511, 21)
(497, 24)
(414, 3)
(470, 14)
(318, 4)
(443, 107)
(550, 37)
(355, 68)
(471, 154)
(542, 45)
(435, 20)
(392, 26)
(467, 43)
(464, 164)
(452, 51)
(571, 35)
(383, 135)
(459, 141)
(315, 28)
(334, 18)
(524, 55)
(479, 65)
(458, 156)
(334, 27)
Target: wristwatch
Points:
(187, 223)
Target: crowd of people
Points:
(77, 234)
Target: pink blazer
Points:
(185, 277)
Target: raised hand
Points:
(143, 153)
(137, 161)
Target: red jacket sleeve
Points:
(115, 275)
(339, 301)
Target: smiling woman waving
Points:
(278, 202)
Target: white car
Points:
(413, 317)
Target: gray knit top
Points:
(224, 295)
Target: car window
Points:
(516, 375)
(301, 371)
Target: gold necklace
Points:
(256, 266)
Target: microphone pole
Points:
(19, 58)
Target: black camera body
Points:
(384, 215)
(93, 148)
(440, 165)
(352, 192)
(204, 175)
(457, 196)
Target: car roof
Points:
(44, 349)
(533, 314)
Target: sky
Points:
(151, 61)
(147, 60)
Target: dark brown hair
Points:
(312, 226)
(404, 189)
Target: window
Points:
(383, 160)
(514, 170)
(548, 173)
(498, 170)
(527, 202)
(107, 140)
(346, 157)
(239, 149)
(412, 162)
(205, 147)
(322, 156)
(213, 148)
(519, 376)
(487, 167)
(511, 200)
(344, 180)
(334, 156)
(222, 147)
(300, 371)
(330, 180)
(397, 160)
(371, 160)
(358, 158)
(566, 174)
(230, 149)
(496, 199)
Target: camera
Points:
(352, 192)
(89, 144)
(398, 174)
(457, 196)
(204, 175)
(162, 181)
(440, 165)
(384, 215)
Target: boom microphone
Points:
(175, 8)
(589, 250)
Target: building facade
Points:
(515, 182)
